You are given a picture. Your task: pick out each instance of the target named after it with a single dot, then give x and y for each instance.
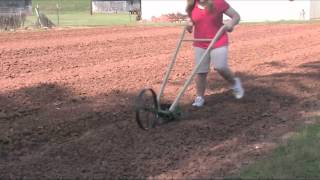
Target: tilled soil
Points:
(67, 101)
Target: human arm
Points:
(189, 25)
(235, 18)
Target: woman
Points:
(206, 18)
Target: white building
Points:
(111, 6)
(250, 10)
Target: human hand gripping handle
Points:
(229, 26)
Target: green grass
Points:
(83, 19)
(300, 158)
(77, 13)
(68, 6)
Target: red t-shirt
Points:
(207, 24)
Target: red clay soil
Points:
(67, 101)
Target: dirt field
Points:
(67, 101)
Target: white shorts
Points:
(218, 58)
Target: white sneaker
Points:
(238, 90)
(198, 102)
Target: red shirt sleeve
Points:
(221, 5)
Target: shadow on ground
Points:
(49, 132)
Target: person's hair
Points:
(191, 4)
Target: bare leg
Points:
(201, 83)
(220, 62)
(227, 74)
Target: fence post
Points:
(38, 15)
(20, 17)
(91, 7)
(58, 14)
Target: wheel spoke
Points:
(146, 109)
